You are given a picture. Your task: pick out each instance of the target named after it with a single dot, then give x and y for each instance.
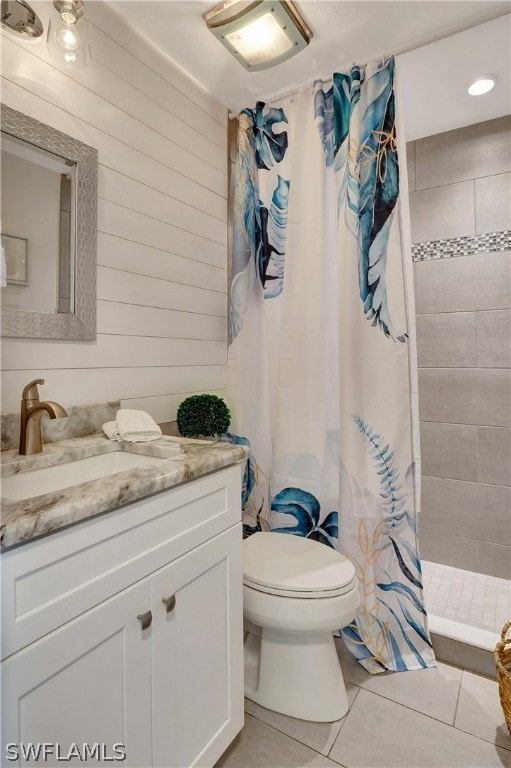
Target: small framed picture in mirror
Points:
(15, 252)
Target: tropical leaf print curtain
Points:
(319, 371)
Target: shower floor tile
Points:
(470, 598)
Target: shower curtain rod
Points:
(296, 89)
(279, 96)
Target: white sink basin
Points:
(47, 479)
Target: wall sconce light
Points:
(67, 34)
(259, 34)
(67, 29)
(17, 16)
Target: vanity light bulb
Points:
(68, 17)
(68, 39)
(67, 35)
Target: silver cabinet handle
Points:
(145, 619)
(169, 602)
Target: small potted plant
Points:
(203, 416)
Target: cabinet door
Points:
(88, 682)
(198, 654)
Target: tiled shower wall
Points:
(459, 200)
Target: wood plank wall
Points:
(162, 210)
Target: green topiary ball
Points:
(203, 415)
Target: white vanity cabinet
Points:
(87, 682)
(79, 668)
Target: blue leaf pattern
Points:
(270, 147)
(346, 93)
(378, 194)
(238, 306)
(271, 241)
(396, 586)
(358, 648)
(421, 631)
(404, 634)
(331, 525)
(404, 568)
(247, 187)
(368, 171)
(248, 530)
(324, 114)
(245, 218)
(305, 509)
(395, 515)
(259, 231)
(248, 481)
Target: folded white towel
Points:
(136, 426)
(111, 431)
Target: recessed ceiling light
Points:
(482, 84)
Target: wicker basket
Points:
(503, 661)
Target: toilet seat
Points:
(303, 594)
(295, 567)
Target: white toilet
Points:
(296, 593)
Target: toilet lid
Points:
(294, 565)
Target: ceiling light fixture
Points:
(259, 34)
(67, 34)
(481, 84)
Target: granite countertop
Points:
(26, 519)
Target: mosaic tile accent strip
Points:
(470, 598)
(462, 246)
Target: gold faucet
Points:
(31, 414)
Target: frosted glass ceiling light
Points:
(259, 34)
(481, 84)
(67, 34)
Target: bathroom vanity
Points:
(125, 628)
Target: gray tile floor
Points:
(435, 718)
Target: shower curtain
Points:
(318, 366)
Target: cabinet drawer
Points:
(51, 580)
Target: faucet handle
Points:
(30, 391)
